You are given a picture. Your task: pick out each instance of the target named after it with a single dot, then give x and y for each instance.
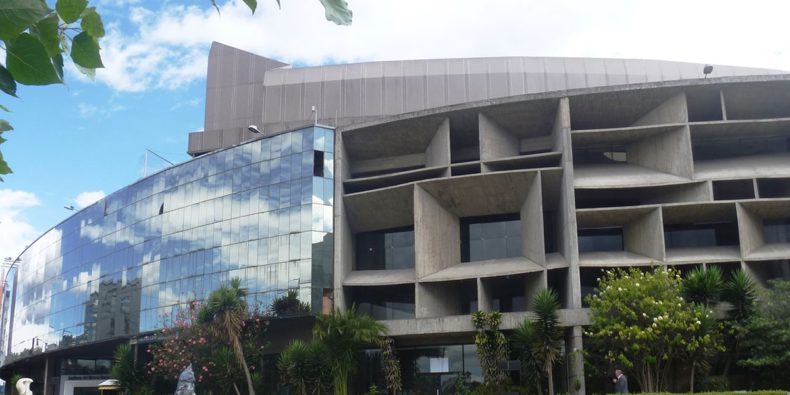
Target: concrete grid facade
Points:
(469, 184)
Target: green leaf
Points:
(337, 11)
(90, 73)
(4, 169)
(253, 4)
(18, 15)
(5, 126)
(85, 51)
(2, 140)
(57, 60)
(214, 3)
(46, 30)
(91, 23)
(28, 62)
(70, 10)
(4, 108)
(7, 83)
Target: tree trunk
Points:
(240, 356)
(551, 379)
(235, 387)
(691, 382)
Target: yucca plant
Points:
(703, 286)
(548, 334)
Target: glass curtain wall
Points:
(260, 211)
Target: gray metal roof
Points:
(245, 89)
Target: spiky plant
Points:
(548, 333)
(703, 286)
(223, 315)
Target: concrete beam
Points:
(392, 162)
(437, 300)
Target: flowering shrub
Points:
(641, 322)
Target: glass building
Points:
(260, 211)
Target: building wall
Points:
(256, 211)
(673, 173)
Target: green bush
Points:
(726, 393)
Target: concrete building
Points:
(440, 187)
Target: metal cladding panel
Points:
(243, 88)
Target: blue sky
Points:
(89, 136)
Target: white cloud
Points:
(15, 230)
(168, 47)
(88, 111)
(85, 199)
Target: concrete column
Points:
(495, 142)
(576, 361)
(531, 216)
(645, 236)
(438, 151)
(723, 105)
(750, 230)
(568, 242)
(533, 283)
(437, 235)
(436, 300)
(483, 297)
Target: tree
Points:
(641, 321)
(343, 333)
(492, 347)
(740, 294)
(289, 305)
(523, 343)
(767, 336)
(124, 369)
(36, 37)
(224, 314)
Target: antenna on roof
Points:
(315, 115)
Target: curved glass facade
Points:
(260, 211)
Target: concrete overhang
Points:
(703, 255)
(614, 259)
(621, 175)
(462, 324)
(683, 213)
(380, 209)
(489, 268)
(362, 278)
(769, 252)
(482, 194)
(766, 165)
(603, 217)
(594, 137)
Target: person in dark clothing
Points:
(620, 382)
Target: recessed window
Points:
(601, 239)
(490, 237)
(318, 163)
(701, 235)
(777, 230)
(385, 250)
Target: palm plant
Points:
(523, 341)
(302, 366)
(223, 315)
(703, 286)
(548, 334)
(740, 293)
(123, 368)
(343, 333)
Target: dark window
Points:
(701, 235)
(490, 237)
(468, 296)
(550, 232)
(508, 294)
(774, 187)
(318, 163)
(600, 239)
(384, 250)
(601, 155)
(162, 209)
(385, 303)
(733, 189)
(777, 230)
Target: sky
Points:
(74, 143)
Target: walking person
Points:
(620, 382)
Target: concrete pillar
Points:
(437, 300)
(531, 216)
(534, 282)
(673, 110)
(750, 230)
(438, 151)
(645, 236)
(669, 152)
(483, 297)
(576, 361)
(495, 142)
(437, 235)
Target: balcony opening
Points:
(550, 232)
(733, 189)
(701, 235)
(385, 249)
(393, 302)
(589, 281)
(507, 294)
(601, 155)
(601, 239)
(704, 105)
(765, 271)
(490, 237)
(558, 281)
(774, 187)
